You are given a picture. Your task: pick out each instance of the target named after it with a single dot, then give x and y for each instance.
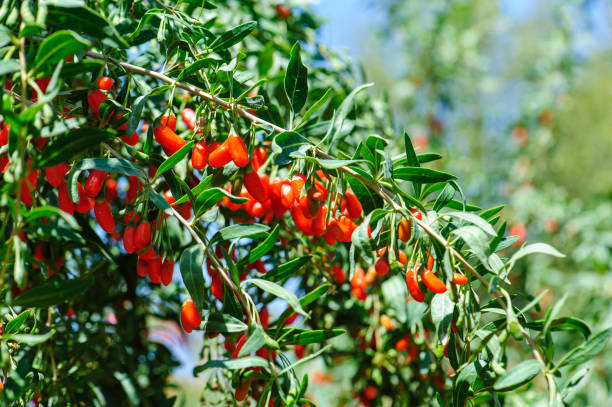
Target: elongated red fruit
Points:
(301, 222)
(381, 266)
(105, 83)
(238, 150)
(155, 267)
(353, 205)
(459, 278)
(169, 120)
(128, 240)
(286, 196)
(318, 222)
(55, 175)
(199, 158)
(190, 315)
(166, 271)
(404, 231)
(168, 139)
(131, 140)
(239, 345)
(104, 216)
(147, 254)
(242, 390)
(84, 204)
(189, 117)
(216, 286)
(94, 183)
(297, 183)
(142, 267)
(432, 282)
(142, 238)
(220, 156)
(63, 199)
(255, 186)
(413, 284)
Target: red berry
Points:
(168, 139)
(353, 205)
(255, 186)
(413, 285)
(166, 271)
(432, 282)
(142, 267)
(220, 155)
(169, 121)
(94, 183)
(381, 266)
(84, 205)
(105, 83)
(55, 175)
(189, 116)
(63, 199)
(128, 240)
(199, 158)
(142, 238)
(190, 315)
(104, 216)
(155, 267)
(238, 150)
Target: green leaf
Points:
(518, 375)
(422, 175)
(542, 248)
(297, 336)
(287, 143)
(278, 291)
(31, 339)
(411, 157)
(296, 80)
(562, 324)
(315, 107)
(489, 213)
(55, 293)
(255, 341)
(209, 198)
(191, 263)
(332, 164)
(219, 322)
(264, 247)
(288, 269)
(315, 294)
(233, 36)
(476, 240)
(58, 46)
(174, 159)
(345, 107)
(232, 364)
(48, 211)
(464, 381)
(117, 165)
(135, 114)
(442, 312)
(475, 220)
(86, 21)
(9, 66)
(160, 202)
(587, 350)
(239, 231)
(14, 324)
(74, 143)
(445, 197)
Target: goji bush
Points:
(195, 164)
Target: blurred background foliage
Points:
(517, 92)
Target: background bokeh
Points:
(517, 92)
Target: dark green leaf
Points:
(411, 157)
(315, 107)
(315, 294)
(191, 263)
(74, 143)
(14, 324)
(305, 337)
(58, 46)
(278, 291)
(256, 339)
(31, 339)
(233, 36)
(368, 198)
(55, 293)
(219, 322)
(421, 175)
(232, 364)
(296, 80)
(242, 230)
(285, 144)
(174, 159)
(288, 269)
(264, 247)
